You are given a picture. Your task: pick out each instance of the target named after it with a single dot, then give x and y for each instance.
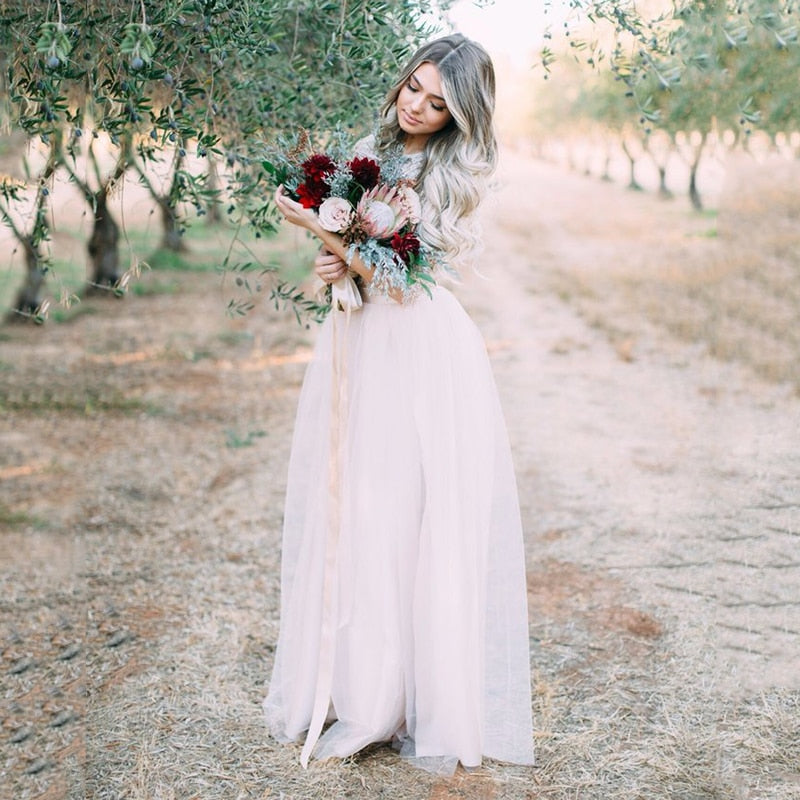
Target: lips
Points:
(409, 119)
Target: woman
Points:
(403, 610)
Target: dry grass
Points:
(140, 563)
(730, 282)
(655, 730)
(173, 712)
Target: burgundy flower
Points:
(312, 193)
(318, 167)
(366, 172)
(405, 245)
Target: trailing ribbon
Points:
(338, 426)
(344, 294)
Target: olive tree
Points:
(691, 70)
(15, 206)
(728, 68)
(173, 84)
(739, 56)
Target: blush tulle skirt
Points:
(403, 601)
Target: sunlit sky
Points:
(511, 30)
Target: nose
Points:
(417, 104)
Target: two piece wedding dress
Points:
(403, 600)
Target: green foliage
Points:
(170, 260)
(210, 72)
(235, 440)
(725, 64)
(13, 519)
(163, 81)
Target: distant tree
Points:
(694, 68)
(613, 111)
(659, 146)
(103, 243)
(14, 199)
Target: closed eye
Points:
(410, 86)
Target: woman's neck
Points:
(414, 145)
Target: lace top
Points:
(411, 164)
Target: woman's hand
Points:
(295, 213)
(330, 264)
(329, 267)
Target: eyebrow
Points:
(416, 80)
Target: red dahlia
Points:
(366, 172)
(318, 167)
(405, 245)
(312, 193)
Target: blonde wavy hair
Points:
(462, 156)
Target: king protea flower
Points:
(382, 211)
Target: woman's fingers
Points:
(329, 267)
(292, 210)
(332, 276)
(280, 199)
(327, 260)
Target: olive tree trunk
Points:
(28, 300)
(103, 246)
(214, 215)
(172, 238)
(632, 182)
(694, 193)
(29, 296)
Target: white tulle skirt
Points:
(403, 606)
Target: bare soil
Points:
(647, 360)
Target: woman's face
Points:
(421, 109)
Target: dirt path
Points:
(674, 471)
(142, 477)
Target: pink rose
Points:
(335, 214)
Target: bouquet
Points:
(370, 204)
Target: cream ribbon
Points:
(344, 294)
(351, 300)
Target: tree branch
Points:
(9, 221)
(84, 187)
